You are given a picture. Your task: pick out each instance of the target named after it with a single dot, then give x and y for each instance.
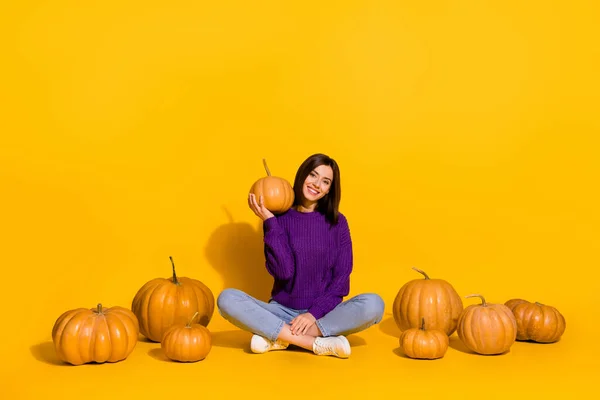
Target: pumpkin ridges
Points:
(487, 328)
(424, 344)
(560, 325)
(132, 333)
(160, 303)
(510, 331)
(277, 191)
(141, 301)
(200, 294)
(116, 328)
(436, 299)
(539, 323)
(85, 335)
(483, 315)
(202, 291)
(186, 343)
(61, 341)
(104, 349)
(85, 340)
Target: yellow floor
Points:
(376, 368)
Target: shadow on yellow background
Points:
(467, 133)
(235, 250)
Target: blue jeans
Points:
(267, 319)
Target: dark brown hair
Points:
(328, 204)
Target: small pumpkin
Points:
(187, 342)
(99, 335)
(278, 194)
(424, 344)
(538, 322)
(436, 300)
(161, 302)
(487, 328)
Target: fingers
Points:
(254, 205)
(300, 325)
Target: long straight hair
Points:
(328, 204)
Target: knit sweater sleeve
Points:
(278, 254)
(339, 285)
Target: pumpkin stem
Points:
(421, 272)
(538, 304)
(175, 281)
(483, 302)
(99, 309)
(266, 167)
(422, 324)
(189, 324)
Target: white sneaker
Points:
(260, 344)
(332, 346)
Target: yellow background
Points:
(467, 135)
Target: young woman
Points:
(308, 252)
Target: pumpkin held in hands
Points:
(487, 328)
(161, 302)
(278, 194)
(432, 299)
(426, 344)
(538, 322)
(97, 335)
(187, 342)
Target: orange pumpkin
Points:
(161, 302)
(538, 322)
(512, 303)
(432, 299)
(187, 342)
(425, 344)
(99, 335)
(278, 194)
(487, 328)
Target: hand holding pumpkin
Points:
(258, 207)
(277, 193)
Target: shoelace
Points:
(327, 347)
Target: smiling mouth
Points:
(312, 191)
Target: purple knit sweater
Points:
(309, 259)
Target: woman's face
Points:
(317, 183)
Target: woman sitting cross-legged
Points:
(308, 252)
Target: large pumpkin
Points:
(161, 302)
(187, 342)
(99, 335)
(432, 299)
(538, 322)
(278, 194)
(487, 328)
(425, 344)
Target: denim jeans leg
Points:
(253, 315)
(353, 315)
